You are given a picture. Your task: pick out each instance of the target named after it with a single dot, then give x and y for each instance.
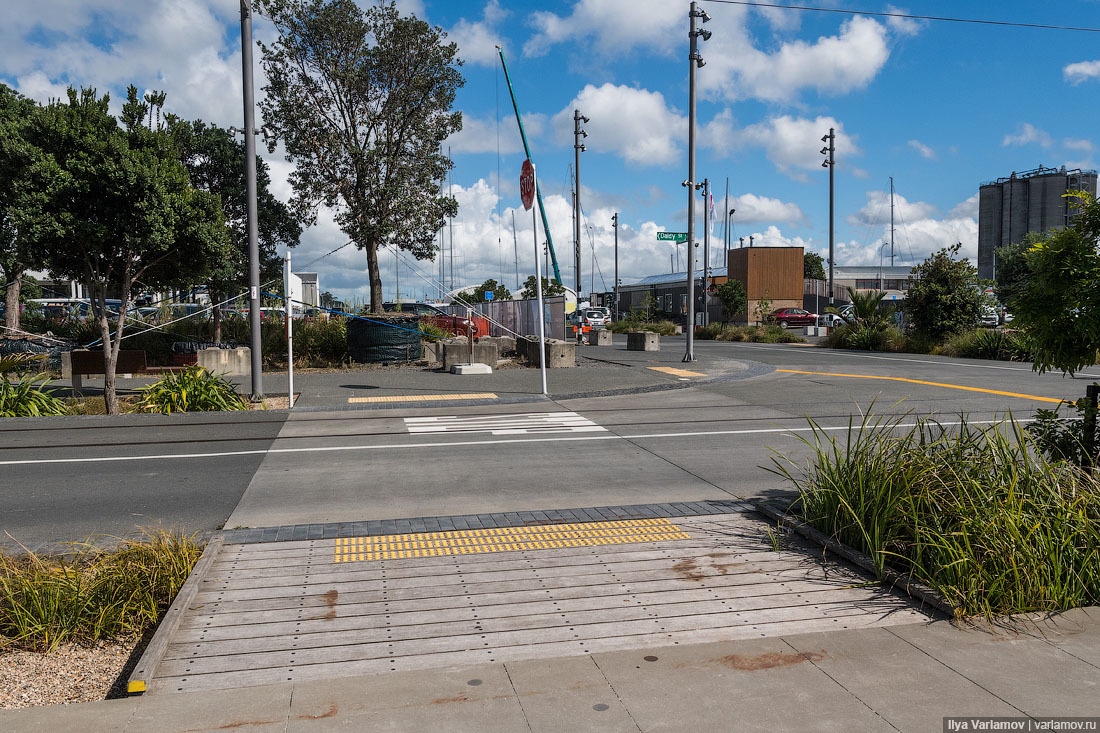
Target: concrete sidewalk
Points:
(901, 678)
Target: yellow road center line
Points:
(424, 397)
(932, 384)
(677, 372)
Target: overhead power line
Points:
(907, 16)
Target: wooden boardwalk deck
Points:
(273, 612)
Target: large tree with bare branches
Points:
(362, 101)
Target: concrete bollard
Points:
(457, 351)
(230, 362)
(643, 341)
(602, 337)
(432, 351)
(559, 354)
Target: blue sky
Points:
(939, 106)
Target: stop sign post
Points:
(527, 196)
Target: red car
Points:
(787, 317)
(456, 325)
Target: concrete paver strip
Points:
(304, 616)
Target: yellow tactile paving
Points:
(423, 397)
(677, 372)
(505, 539)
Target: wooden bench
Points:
(81, 363)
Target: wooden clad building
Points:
(775, 273)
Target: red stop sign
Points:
(527, 184)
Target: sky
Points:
(941, 107)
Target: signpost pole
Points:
(288, 308)
(528, 184)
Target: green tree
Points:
(549, 288)
(763, 309)
(1058, 305)
(813, 266)
(215, 162)
(733, 297)
(865, 307)
(362, 100)
(120, 212)
(945, 295)
(499, 291)
(1011, 272)
(17, 156)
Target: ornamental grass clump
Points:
(26, 395)
(91, 594)
(978, 514)
(193, 389)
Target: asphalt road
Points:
(67, 479)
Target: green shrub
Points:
(665, 328)
(27, 396)
(985, 343)
(192, 389)
(432, 332)
(1066, 439)
(978, 515)
(92, 594)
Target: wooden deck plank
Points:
(503, 604)
(357, 650)
(321, 631)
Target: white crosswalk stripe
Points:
(522, 424)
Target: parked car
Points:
(456, 325)
(595, 317)
(787, 317)
(989, 317)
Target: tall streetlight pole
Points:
(695, 60)
(250, 186)
(830, 162)
(705, 186)
(615, 226)
(578, 148)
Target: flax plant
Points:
(978, 514)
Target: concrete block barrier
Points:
(231, 362)
(601, 337)
(643, 341)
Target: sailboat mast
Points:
(891, 221)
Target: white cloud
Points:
(736, 69)
(919, 231)
(1081, 71)
(752, 209)
(903, 26)
(924, 150)
(647, 23)
(477, 40)
(1026, 134)
(635, 123)
(38, 86)
(877, 210)
(1078, 144)
(794, 144)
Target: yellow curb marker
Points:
(505, 539)
(677, 372)
(932, 384)
(423, 397)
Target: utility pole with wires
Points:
(707, 206)
(829, 151)
(250, 186)
(891, 221)
(615, 226)
(695, 60)
(515, 247)
(578, 148)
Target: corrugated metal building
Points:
(1032, 201)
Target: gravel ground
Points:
(70, 674)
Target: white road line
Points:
(532, 423)
(438, 444)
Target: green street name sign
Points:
(672, 236)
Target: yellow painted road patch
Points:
(932, 384)
(505, 539)
(423, 397)
(677, 372)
